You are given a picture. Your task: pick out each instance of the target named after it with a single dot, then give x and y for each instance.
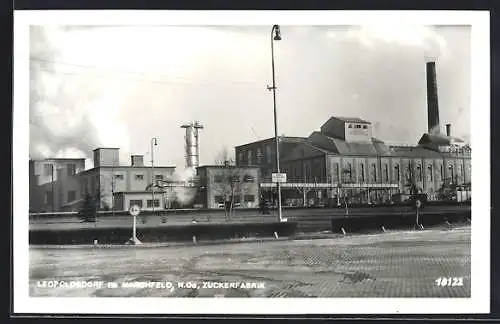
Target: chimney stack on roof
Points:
(137, 160)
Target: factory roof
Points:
(129, 167)
(339, 146)
(352, 120)
(230, 166)
(438, 139)
(413, 151)
(283, 139)
(57, 159)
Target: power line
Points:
(107, 71)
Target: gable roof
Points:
(352, 120)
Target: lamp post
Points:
(276, 36)
(153, 143)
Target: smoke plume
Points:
(69, 115)
(183, 195)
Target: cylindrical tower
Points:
(192, 145)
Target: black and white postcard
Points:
(246, 162)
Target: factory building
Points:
(343, 161)
(263, 153)
(224, 183)
(106, 179)
(53, 183)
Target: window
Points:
(47, 169)
(269, 156)
(365, 127)
(219, 178)
(249, 198)
(139, 177)
(259, 155)
(396, 172)
(248, 178)
(374, 172)
(358, 126)
(348, 172)
(235, 178)
(71, 196)
(249, 157)
(136, 202)
(429, 172)
(386, 170)
(150, 203)
(240, 158)
(48, 198)
(219, 199)
(350, 126)
(419, 173)
(158, 176)
(441, 172)
(452, 175)
(336, 172)
(119, 176)
(236, 199)
(71, 169)
(362, 174)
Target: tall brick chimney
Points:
(432, 100)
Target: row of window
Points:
(219, 178)
(149, 203)
(139, 177)
(357, 126)
(236, 199)
(49, 170)
(70, 196)
(259, 156)
(418, 176)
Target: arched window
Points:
(374, 172)
(396, 172)
(386, 168)
(362, 174)
(452, 173)
(429, 172)
(441, 172)
(249, 157)
(348, 172)
(269, 154)
(419, 173)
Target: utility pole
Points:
(153, 143)
(53, 197)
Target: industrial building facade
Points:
(343, 161)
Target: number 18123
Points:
(450, 281)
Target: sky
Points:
(119, 86)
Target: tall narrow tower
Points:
(192, 144)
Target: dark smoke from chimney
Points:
(432, 99)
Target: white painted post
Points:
(343, 231)
(276, 235)
(194, 239)
(134, 229)
(383, 229)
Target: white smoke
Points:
(70, 115)
(183, 195)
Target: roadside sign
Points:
(134, 210)
(278, 177)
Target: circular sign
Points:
(134, 210)
(418, 203)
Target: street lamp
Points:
(153, 143)
(276, 36)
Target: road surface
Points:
(393, 264)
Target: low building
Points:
(53, 183)
(220, 184)
(125, 200)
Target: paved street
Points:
(393, 264)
